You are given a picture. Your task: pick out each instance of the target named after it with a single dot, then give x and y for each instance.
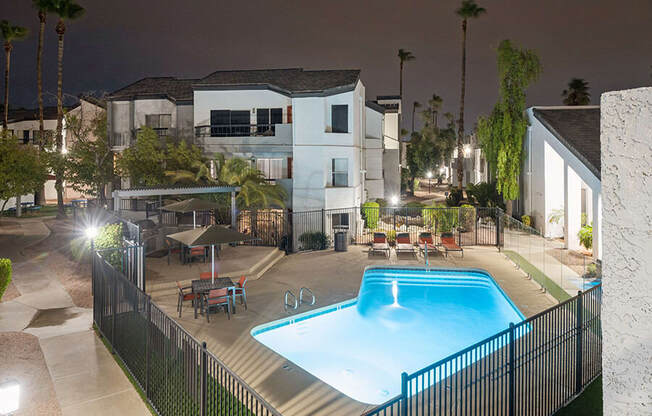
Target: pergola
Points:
(161, 191)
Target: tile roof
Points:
(578, 128)
(174, 88)
(290, 81)
(24, 114)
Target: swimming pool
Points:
(402, 320)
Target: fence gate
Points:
(268, 226)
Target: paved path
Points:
(86, 378)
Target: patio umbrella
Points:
(209, 236)
(192, 205)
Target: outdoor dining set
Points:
(209, 293)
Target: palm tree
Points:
(415, 105)
(43, 7)
(577, 92)
(65, 10)
(435, 105)
(468, 10)
(403, 57)
(9, 34)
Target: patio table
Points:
(202, 287)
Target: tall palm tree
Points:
(403, 56)
(435, 105)
(10, 33)
(44, 7)
(468, 10)
(415, 105)
(65, 10)
(577, 92)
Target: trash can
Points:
(340, 241)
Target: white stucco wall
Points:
(207, 100)
(626, 140)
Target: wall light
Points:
(9, 397)
(467, 150)
(91, 232)
(394, 200)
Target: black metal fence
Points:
(175, 371)
(532, 368)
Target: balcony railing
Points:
(235, 130)
(126, 139)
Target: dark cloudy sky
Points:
(607, 42)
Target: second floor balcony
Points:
(245, 133)
(122, 140)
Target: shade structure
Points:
(191, 205)
(210, 236)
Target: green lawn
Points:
(45, 211)
(538, 276)
(589, 403)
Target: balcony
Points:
(241, 137)
(239, 130)
(122, 140)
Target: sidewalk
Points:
(85, 377)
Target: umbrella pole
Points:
(194, 222)
(212, 263)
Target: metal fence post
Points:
(475, 224)
(404, 396)
(512, 410)
(578, 343)
(498, 228)
(204, 377)
(114, 304)
(323, 221)
(459, 226)
(148, 307)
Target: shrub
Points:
(314, 241)
(5, 275)
(467, 217)
(370, 213)
(382, 203)
(444, 218)
(484, 194)
(391, 236)
(417, 183)
(585, 234)
(526, 220)
(110, 237)
(454, 197)
(415, 204)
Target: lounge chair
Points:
(184, 296)
(217, 298)
(403, 244)
(426, 239)
(239, 291)
(207, 275)
(380, 244)
(449, 244)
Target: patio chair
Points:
(239, 291)
(207, 275)
(171, 248)
(217, 298)
(426, 238)
(184, 296)
(403, 244)
(197, 252)
(380, 244)
(449, 244)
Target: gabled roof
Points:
(292, 81)
(577, 128)
(375, 106)
(26, 114)
(156, 87)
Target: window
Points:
(340, 118)
(158, 121)
(340, 173)
(25, 136)
(271, 168)
(340, 220)
(230, 123)
(267, 118)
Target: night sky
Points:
(608, 43)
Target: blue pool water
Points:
(402, 320)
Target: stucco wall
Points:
(626, 139)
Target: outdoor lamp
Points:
(467, 150)
(9, 397)
(441, 170)
(394, 200)
(91, 232)
(429, 174)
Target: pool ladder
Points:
(296, 303)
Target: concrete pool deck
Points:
(333, 277)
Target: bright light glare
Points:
(394, 200)
(91, 232)
(429, 174)
(467, 150)
(9, 397)
(442, 170)
(64, 150)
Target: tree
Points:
(44, 7)
(403, 56)
(10, 33)
(577, 92)
(415, 105)
(21, 169)
(501, 134)
(468, 10)
(90, 160)
(435, 105)
(65, 10)
(143, 162)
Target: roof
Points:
(388, 97)
(155, 87)
(375, 106)
(100, 102)
(293, 81)
(577, 128)
(25, 114)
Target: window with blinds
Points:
(340, 173)
(158, 121)
(340, 118)
(271, 168)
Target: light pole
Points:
(429, 176)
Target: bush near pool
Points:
(5, 275)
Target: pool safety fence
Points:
(175, 371)
(534, 367)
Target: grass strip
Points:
(538, 276)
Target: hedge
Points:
(5, 275)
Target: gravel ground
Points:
(21, 359)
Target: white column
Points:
(596, 207)
(572, 207)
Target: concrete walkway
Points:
(86, 378)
